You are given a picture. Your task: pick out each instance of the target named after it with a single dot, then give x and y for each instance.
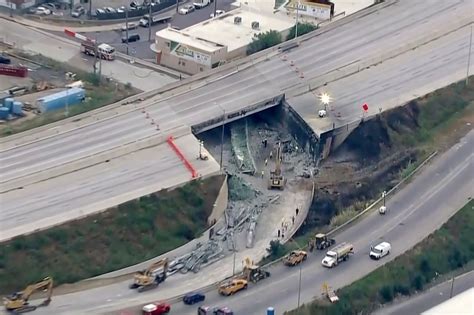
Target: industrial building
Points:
(216, 41)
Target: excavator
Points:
(151, 277)
(18, 302)
(252, 272)
(276, 177)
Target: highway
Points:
(419, 208)
(363, 37)
(431, 297)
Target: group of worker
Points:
(285, 224)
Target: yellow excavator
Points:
(18, 302)
(151, 277)
(253, 273)
(276, 177)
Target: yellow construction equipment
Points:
(151, 277)
(253, 272)
(276, 177)
(18, 301)
(232, 286)
(329, 293)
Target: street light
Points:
(384, 193)
(222, 134)
(300, 269)
(469, 58)
(297, 13)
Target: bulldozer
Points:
(253, 273)
(18, 302)
(276, 179)
(321, 241)
(151, 277)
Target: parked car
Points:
(131, 26)
(131, 38)
(50, 6)
(100, 11)
(5, 60)
(379, 251)
(78, 11)
(110, 10)
(218, 12)
(42, 11)
(193, 298)
(186, 9)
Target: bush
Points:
(386, 292)
(264, 41)
(401, 289)
(417, 282)
(303, 28)
(276, 249)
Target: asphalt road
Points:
(430, 298)
(429, 200)
(419, 71)
(141, 49)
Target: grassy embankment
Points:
(432, 122)
(133, 232)
(448, 249)
(97, 95)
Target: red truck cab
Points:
(158, 308)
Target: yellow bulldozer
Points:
(253, 273)
(276, 179)
(151, 277)
(18, 302)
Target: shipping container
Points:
(14, 71)
(72, 96)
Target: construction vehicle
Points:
(329, 293)
(232, 286)
(276, 177)
(18, 301)
(253, 273)
(321, 241)
(151, 277)
(295, 257)
(337, 254)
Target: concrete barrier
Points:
(92, 159)
(221, 203)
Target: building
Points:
(213, 42)
(461, 304)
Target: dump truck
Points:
(232, 286)
(18, 302)
(151, 277)
(253, 273)
(276, 179)
(337, 254)
(295, 257)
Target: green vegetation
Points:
(133, 232)
(303, 28)
(448, 249)
(263, 41)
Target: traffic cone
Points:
(147, 115)
(301, 75)
(297, 70)
(152, 121)
(143, 110)
(284, 57)
(292, 63)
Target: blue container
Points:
(17, 108)
(270, 311)
(72, 96)
(8, 103)
(4, 112)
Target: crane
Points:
(151, 277)
(276, 177)
(18, 301)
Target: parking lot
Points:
(141, 49)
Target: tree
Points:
(303, 28)
(276, 249)
(263, 41)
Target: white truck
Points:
(380, 250)
(199, 4)
(337, 254)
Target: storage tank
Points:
(57, 101)
(8, 103)
(17, 108)
(4, 112)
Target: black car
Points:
(5, 60)
(193, 298)
(131, 38)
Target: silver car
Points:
(186, 9)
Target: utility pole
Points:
(222, 137)
(215, 7)
(469, 58)
(149, 22)
(384, 193)
(297, 13)
(11, 8)
(177, 5)
(452, 283)
(66, 113)
(299, 288)
(90, 9)
(233, 268)
(126, 26)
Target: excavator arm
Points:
(18, 302)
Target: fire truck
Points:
(91, 48)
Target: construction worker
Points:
(279, 233)
(297, 211)
(293, 219)
(263, 173)
(266, 162)
(271, 154)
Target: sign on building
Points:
(186, 52)
(316, 10)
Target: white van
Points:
(380, 250)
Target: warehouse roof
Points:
(222, 31)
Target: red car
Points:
(158, 308)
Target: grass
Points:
(133, 232)
(448, 249)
